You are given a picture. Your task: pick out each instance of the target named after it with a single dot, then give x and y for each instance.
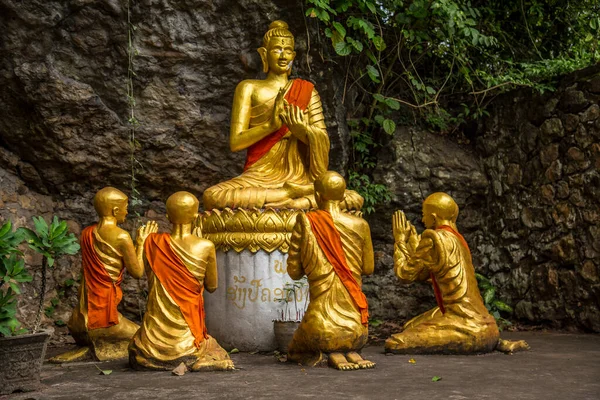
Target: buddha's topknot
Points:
(277, 29)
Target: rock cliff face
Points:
(527, 190)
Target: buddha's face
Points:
(280, 54)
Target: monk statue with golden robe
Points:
(460, 323)
(333, 249)
(281, 125)
(180, 266)
(107, 251)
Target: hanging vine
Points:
(133, 122)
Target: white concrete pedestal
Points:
(240, 313)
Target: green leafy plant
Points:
(12, 274)
(51, 241)
(440, 63)
(494, 305)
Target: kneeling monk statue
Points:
(460, 324)
(107, 251)
(281, 125)
(180, 265)
(333, 249)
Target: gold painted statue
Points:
(180, 266)
(333, 249)
(281, 125)
(460, 323)
(107, 251)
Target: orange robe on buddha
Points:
(279, 157)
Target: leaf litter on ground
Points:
(104, 371)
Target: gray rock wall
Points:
(528, 190)
(542, 156)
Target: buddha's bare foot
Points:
(297, 204)
(338, 361)
(355, 358)
(71, 356)
(510, 346)
(221, 365)
(295, 190)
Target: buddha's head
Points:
(331, 186)
(277, 52)
(182, 208)
(111, 202)
(439, 209)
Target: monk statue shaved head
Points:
(440, 206)
(331, 186)
(182, 208)
(109, 201)
(333, 249)
(107, 251)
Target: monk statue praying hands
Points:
(107, 251)
(281, 125)
(460, 323)
(180, 266)
(333, 249)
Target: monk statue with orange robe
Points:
(107, 251)
(281, 125)
(180, 266)
(333, 249)
(460, 323)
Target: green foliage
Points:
(52, 240)
(493, 304)
(443, 61)
(12, 274)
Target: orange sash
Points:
(299, 94)
(179, 282)
(103, 294)
(330, 242)
(436, 288)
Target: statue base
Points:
(252, 248)
(240, 313)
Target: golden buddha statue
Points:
(333, 249)
(281, 125)
(460, 323)
(107, 251)
(180, 266)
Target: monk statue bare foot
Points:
(356, 358)
(338, 361)
(218, 365)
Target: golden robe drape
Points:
(466, 326)
(332, 322)
(165, 339)
(106, 343)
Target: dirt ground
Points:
(559, 366)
